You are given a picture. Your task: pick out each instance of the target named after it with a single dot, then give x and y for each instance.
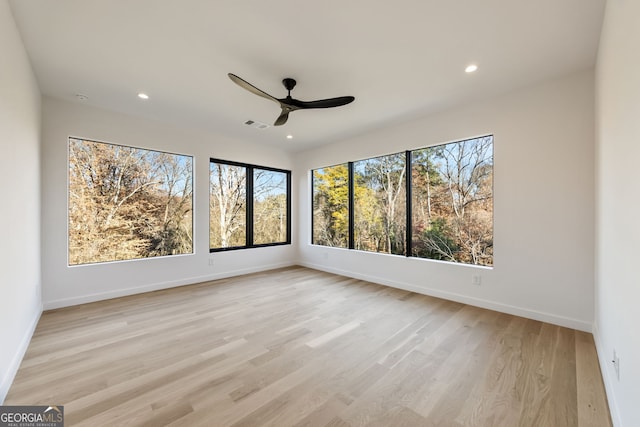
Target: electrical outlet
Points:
(476, 280)
(210, 262)
(616, 364)
(325, 255)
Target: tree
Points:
(382, 218)
(269, 206)
(454, 182)
(227, 205)
(127, 203)
(425, 180)
(331, 206)
(174, 201)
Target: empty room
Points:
(281, 213)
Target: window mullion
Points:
(288, 208)
(351, 192)
(408, 205)
(249, 199)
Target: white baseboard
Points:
(604, 362)
(477, 302)
(84, 299)
(12, 369)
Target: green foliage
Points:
(436, 242)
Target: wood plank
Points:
(298, 347)
(593, 409)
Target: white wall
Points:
(20, 302)
(543, 209)
(617, 315)
(63, 285)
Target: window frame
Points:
(192, 179)
(352, 187)
(349, 204)
(408, 200)
(249, 211)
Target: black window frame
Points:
(408, 200)
(249, 186)
(349, 166)
(351, 185)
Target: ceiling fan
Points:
(290, 104)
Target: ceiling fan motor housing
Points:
(289, 83)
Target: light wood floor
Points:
(298, 347)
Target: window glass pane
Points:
(452, 204)
(127, 203)
(379, 204)
(269, 206)
(331, 206)
(227, 205)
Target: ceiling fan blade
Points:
(282, 118)
(289, 104)
(322, 103)
(251, 88)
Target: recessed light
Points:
(289, 136)
(471, 68)
(143, 96)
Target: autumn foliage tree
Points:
(127, 203)
(331, 206)
(451, 204)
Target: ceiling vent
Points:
(255, 124)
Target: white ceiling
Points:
(400, 59)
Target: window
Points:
(331, 206)
(452, 204)
(238, 221)
(127, 203)
(435, 202)
(227, 205)
(379, 204)
(270, 217)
